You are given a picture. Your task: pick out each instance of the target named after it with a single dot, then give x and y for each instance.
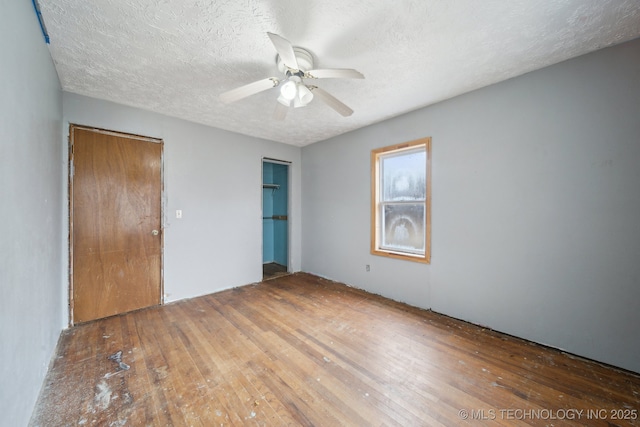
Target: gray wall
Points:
(30, 211)
(215, 177)
(536, 201)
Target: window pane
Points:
(403, 227)
(404, 176)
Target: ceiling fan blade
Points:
(285, 50)
(334, 73)
(247, 90)
(331, 101)
(280, 112)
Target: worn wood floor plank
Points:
(301, 350)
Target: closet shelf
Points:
(276, 217)
(272, 187)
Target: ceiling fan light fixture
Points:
(289, 90)
(304, 95)
(295, 92)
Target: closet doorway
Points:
(275, 218)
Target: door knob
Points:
(155, 232)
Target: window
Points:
(401, 201)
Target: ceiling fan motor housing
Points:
(303, 56)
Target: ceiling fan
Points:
(297, 65)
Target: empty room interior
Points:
(320, 213)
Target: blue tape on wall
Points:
(36, 7)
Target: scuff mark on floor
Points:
(117, 357)
(103, 395)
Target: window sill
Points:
(407, 257)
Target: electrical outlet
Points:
(367, 267)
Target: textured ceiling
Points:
(176, 57)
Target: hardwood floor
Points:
(300, 350)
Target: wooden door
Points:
(116, 235)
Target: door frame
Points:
(70, 174)
(288, 165)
